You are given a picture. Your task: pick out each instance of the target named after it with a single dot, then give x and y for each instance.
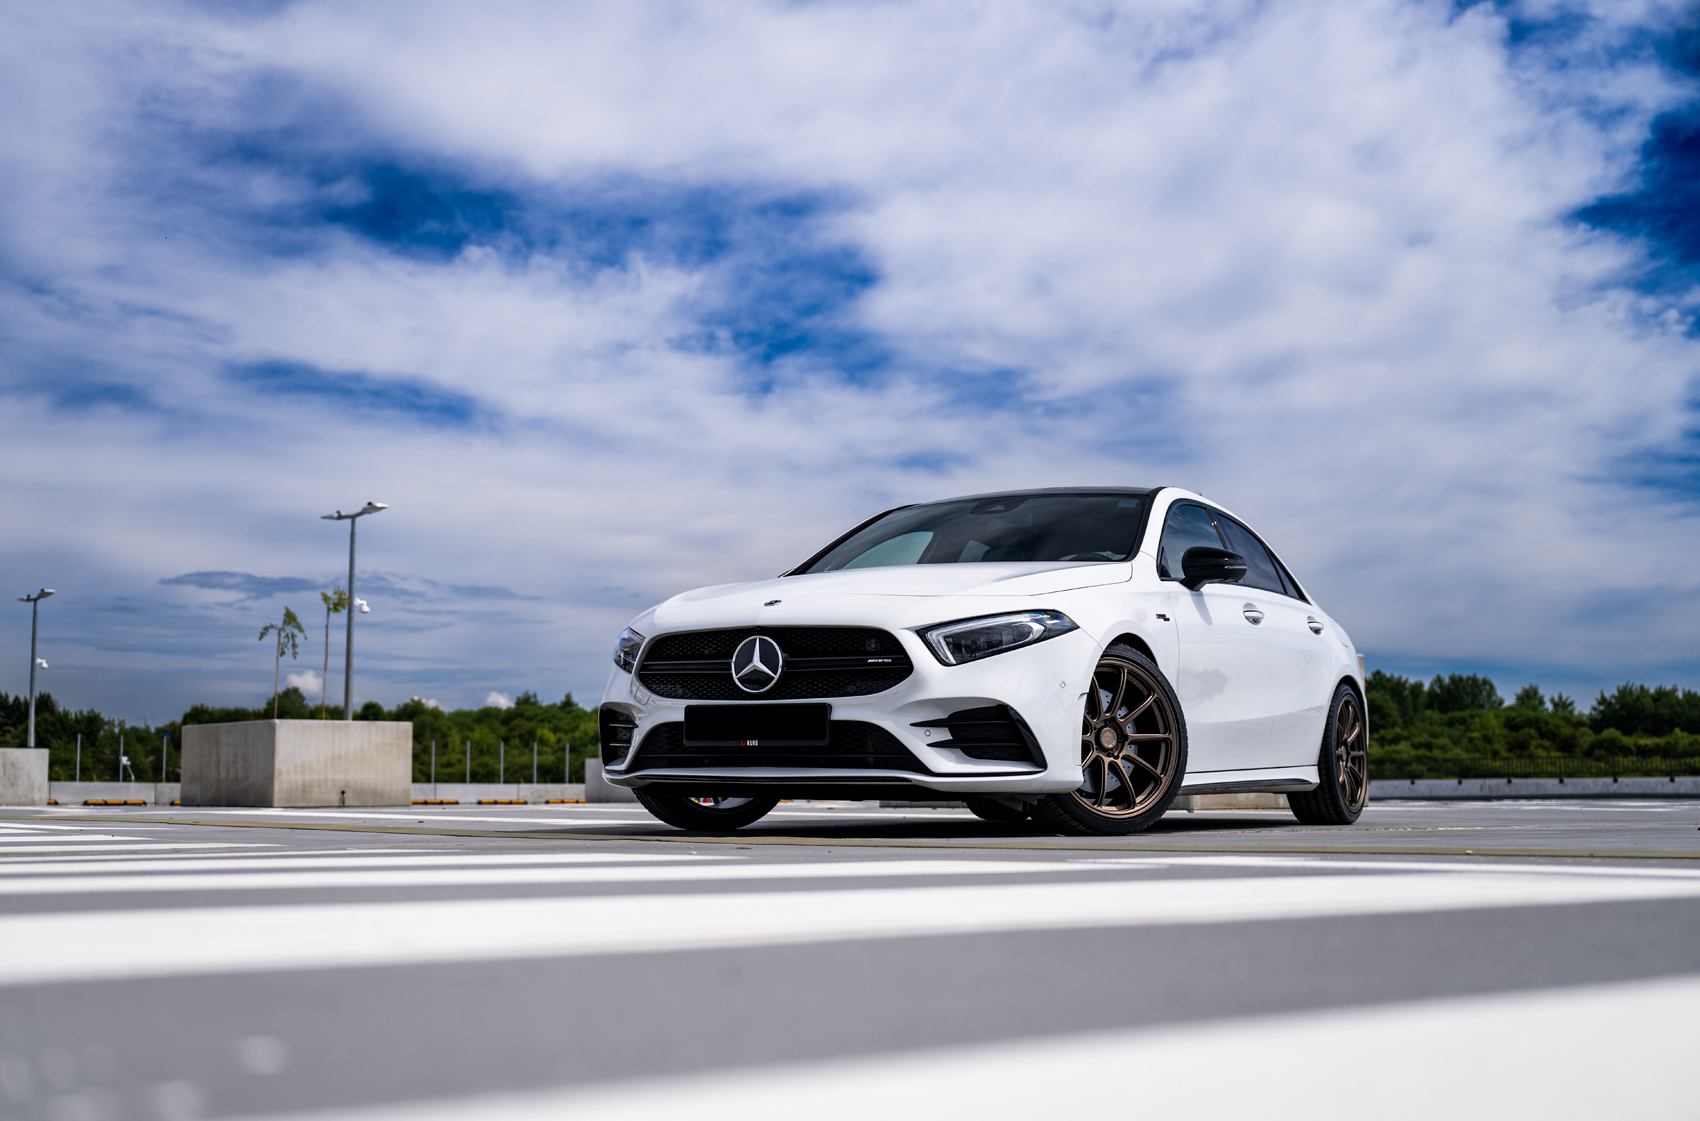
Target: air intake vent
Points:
(992, 732)
(617, 729)
(854, 746)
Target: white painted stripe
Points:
(106, 858)
(1326, 864)
(1404, 1062)
(33, 825)
(395, 859)
(106, 849)
(505, 877)
(80, 946)
(36, 838)
(433, 816)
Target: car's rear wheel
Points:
(990, 809)
(708, 815)
(1132, 751)
(1342, 769)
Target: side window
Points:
(1260, 568)
(1187, 526)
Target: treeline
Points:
(102, 740)
(1464, 715)
(489, 742)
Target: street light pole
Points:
(35, 607)
(348, 655)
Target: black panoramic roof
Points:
(1141, 491)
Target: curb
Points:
(502, 801)
(435, 802)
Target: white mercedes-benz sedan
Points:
(1078, 655)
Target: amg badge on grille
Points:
(757, 663)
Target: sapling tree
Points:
(336, 602)
(287, 636)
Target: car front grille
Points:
(852, 746)
(819, 662)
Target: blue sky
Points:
(612, 301)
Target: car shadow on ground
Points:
(960, 828)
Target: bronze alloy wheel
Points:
(1342, 767)
(1351, 753)
(1132, 750)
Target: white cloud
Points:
(309, 682)
(499, 700)
(1314, 260)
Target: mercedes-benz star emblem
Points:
(757, 663)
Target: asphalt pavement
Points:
(837, 959)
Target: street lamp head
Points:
(41, 595)
(339, 516)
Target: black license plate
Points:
(757, 725)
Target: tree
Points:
(288, 634)
(336, 602)
(1463, 693)
(1529, 696)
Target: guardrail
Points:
(1510, 767)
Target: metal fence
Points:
(1533, 766)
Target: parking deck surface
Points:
(837, 958)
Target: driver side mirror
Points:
(1201, 565)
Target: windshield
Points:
(1039, 527)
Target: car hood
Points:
(725, 604)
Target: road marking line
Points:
(1639, 1044)
(1324, 864)
(103, 849)
(218, 880)
(81, 946)
(301, 861)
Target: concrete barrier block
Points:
(1259, 801)
(23, 776)
(76, 793)
(598, 789)
(474, 792)
(298, 763)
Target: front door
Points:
(1301, 683)
(1223, 657)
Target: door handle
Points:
(1252, 614)
(1314, 624)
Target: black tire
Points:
(1132, 751)
(706, 815)
(1342, 767)
(990, 809)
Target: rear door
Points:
(1301, 682)
(1224, 655)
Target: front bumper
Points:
(1045, 684)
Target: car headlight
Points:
(968, 639)
(626, 649)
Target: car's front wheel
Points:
(1342, 768)
(708, 815)
(1132, 751)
